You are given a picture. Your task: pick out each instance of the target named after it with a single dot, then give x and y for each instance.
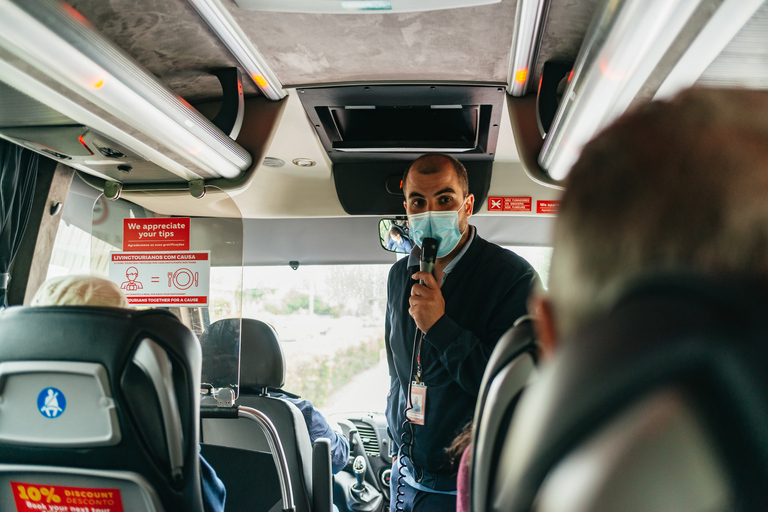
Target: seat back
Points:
(231, 446)
(655, 455)
(660, 404)
(98, 408)
(510, 367)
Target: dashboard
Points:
(368, 438)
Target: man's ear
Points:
(544, 324)
(470, 204)
(405, 205)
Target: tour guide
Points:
(474, 294)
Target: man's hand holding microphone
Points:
(427, 303)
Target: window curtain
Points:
(18, 175)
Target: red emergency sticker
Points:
(509, 204)
(57, 498)
(547, 206)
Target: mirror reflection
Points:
(394, 235)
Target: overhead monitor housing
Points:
(372, 132)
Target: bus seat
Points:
(660, 404)
(510, 368)
(98, 410)
(238, 449)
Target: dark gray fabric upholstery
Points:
(262, 365)
(701, 339)
(128, 452)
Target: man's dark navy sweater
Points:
(484, 294)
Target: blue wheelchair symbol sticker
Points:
(51, 403)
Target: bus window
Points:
(330, 320)
(538, 256)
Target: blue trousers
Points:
(417, 500)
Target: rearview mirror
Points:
(394, 235)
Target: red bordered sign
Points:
(547, 206)
(168, 234)
(162, 278)
(59, 498)
(509, 204)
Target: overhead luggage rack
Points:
(125, 118)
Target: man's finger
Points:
(429, 279)
(420, 290)
(415, 300)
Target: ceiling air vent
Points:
(273, 162)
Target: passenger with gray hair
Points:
(677, 186)
(80, 290)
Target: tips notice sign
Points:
(168, 234)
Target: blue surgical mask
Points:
(443, 226)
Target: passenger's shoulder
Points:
(301, 403)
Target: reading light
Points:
(82, 141)
(229, 32)
(525, 42)
(624, 45)
(59, 47)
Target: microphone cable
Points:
(406, 438)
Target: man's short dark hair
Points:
(432, 163)
(676, 185)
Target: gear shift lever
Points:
(363, 496)
(359, 466)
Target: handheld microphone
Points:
(428, 256)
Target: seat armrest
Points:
(322, 477)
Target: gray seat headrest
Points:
(262, 363)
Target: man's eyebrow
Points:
(447, 190)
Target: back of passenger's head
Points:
(80, 290)
(672, 186)
(432, 163)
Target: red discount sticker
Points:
(58, 498)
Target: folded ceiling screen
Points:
(384, 129)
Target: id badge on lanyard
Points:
(418, 403)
